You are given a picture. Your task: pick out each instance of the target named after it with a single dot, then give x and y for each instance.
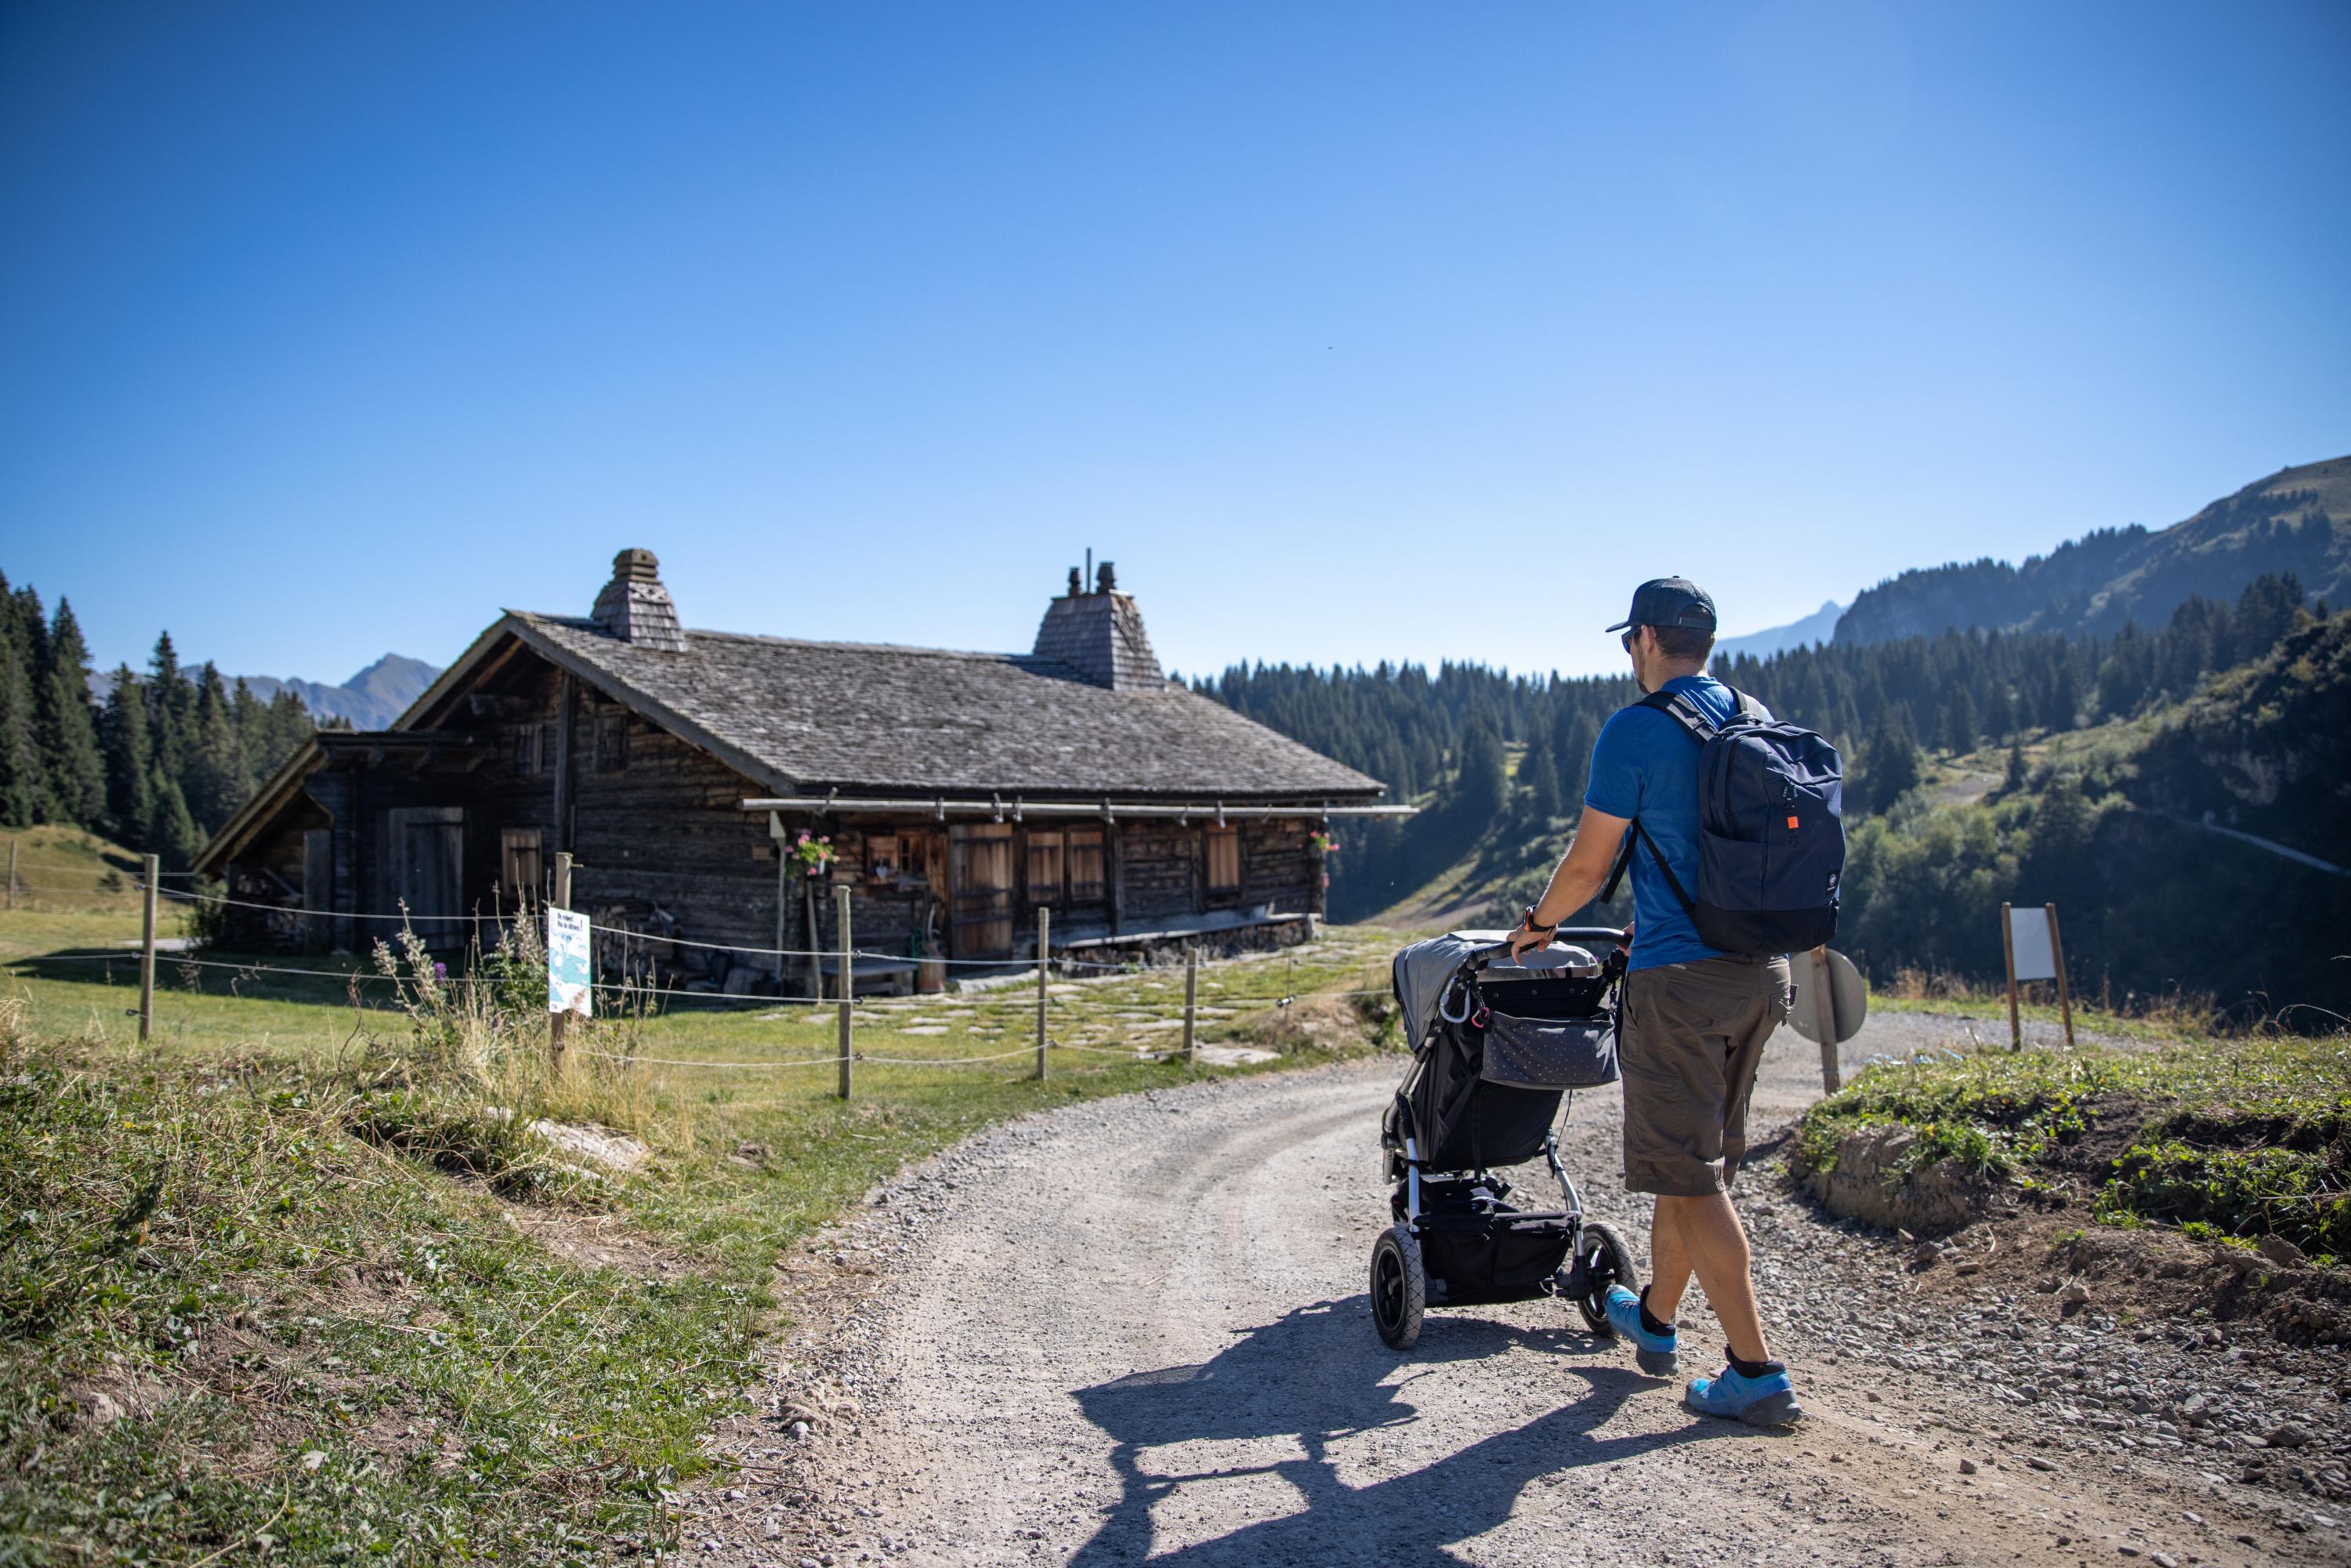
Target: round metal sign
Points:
(1848, 996)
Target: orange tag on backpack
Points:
(1791, 824)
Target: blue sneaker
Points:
(1657, 1353)
(1766, 1401)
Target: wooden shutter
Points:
(979, 870)
(1044, 878)
(519, 861)
(1085, 855)
(1224, 860)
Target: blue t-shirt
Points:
(1644, 764)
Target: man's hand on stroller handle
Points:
(1577, 882)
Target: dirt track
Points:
(1137, 1330)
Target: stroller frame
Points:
(1458, 1206)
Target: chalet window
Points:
(611, 741)
(1044, 868)
(524, 747)
(881, 856)
(1224, 860)
(1085, 865)
(519, 861)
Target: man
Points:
(1695, 1019)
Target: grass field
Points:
(294, 1280)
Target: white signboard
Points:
(2028, 935)
(569, 988)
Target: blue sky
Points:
(1348, 330)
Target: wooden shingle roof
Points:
(800, 715)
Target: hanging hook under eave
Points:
(828, 794)
(1221, 814)
(998, 801)
(1016, 808)
(939, 811)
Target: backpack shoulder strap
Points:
(1625, 860)
(1677, 706)
(1747, 709)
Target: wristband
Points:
(1527, 921)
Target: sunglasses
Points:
(1627, 640)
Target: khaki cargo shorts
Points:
(1692, 1036)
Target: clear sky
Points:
(1348, 330)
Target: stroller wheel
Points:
(1606, 1261)
(1399, 1286)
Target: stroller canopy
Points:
(1422, 970)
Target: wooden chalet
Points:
(960, 793)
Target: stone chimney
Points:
(1100, 635)
(635, 607)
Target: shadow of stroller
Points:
(1315, 1374)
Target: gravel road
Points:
(1136, 1329)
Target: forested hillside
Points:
(2297, 521)
(2089, 825)
(159, 766)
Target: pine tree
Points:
(175, 836)
(1482, 787)
(2018, 774)
(1960, 721)
(129, 763)
(212, 773)
(1999, 712)
(1541, 776)
(22, 795)
(66, 728)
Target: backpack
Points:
(1771, 814)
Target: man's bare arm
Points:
(1577, 880)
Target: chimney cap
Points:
(1106, 578)
(635, 607)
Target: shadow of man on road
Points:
(1315, 1375)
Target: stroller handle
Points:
(1485, 956)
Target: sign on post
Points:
(569, 988)
(1829, 1005)
(2028, 936)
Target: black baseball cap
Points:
(1669, 602)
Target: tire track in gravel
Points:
(1136, 1329)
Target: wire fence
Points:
(1216, 998)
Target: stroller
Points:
(1496, 1044)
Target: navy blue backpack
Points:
(1771, 814)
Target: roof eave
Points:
(266, 803)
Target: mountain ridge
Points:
(2297, 519)
(370, 699)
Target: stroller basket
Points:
(1549, 1053)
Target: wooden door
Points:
(980, 869)
(428, 846)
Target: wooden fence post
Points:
(559, 1028)
(146, 949)
(2065, 990)
(12, 873)
(1191, 1000)
(1044, 970)
(2008, 953)
(848, 983)
(1824, 1019)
